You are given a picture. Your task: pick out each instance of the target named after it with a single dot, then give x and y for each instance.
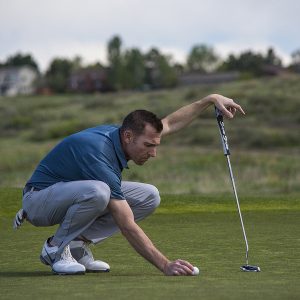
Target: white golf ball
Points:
(196, 271)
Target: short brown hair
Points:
(137, 120)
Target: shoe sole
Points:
(75, 273)
(98, 271)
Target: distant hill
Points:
(272, 106)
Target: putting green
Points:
(206, 232)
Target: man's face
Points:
(140, 148)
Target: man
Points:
(78, 186)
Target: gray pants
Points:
(80, 207)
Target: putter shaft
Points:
(238, 207)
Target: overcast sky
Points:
(66, 28)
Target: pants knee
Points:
(100, 193)
(153, 196)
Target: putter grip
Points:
(220, 121)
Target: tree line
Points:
(131, 69)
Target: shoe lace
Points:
(66, 255)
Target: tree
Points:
(252, 63)
(58, 74)
(77, 63)
(202, 58)
(295, 65)
(115, 63)
(296, 57)
(134, 69)
(20, 59)
(247, 62)
(272, 59)
(159, 72)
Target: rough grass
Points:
(180, 169)
(202, 229)
(264, 143)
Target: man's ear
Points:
(128, 136)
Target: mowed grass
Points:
(202, 229)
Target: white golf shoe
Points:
(66, 265)
(83, 254)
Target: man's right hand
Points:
(178, 267)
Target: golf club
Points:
(247, 267)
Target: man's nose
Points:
(152, 152)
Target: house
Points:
(271, 70)
(89, 80)
(17, 81)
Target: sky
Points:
(66, 28)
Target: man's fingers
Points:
(226, 112)
(19, 219)
(238, 107)
(182, 271)
(182, 267)
(186, 263)
(232, 110)
(229, 110)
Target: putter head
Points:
(248, 268)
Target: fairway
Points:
(204, 230)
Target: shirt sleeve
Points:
(100, 171)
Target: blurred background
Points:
(68, 65)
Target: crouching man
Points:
(78, 185)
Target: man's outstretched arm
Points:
(186, 114)
(124, 218)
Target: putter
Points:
(219, 115)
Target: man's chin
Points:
(141, 162)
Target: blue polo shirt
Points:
(92, 154)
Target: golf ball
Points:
(196, 271)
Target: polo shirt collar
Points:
(118, 148)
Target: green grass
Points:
(202, 229)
